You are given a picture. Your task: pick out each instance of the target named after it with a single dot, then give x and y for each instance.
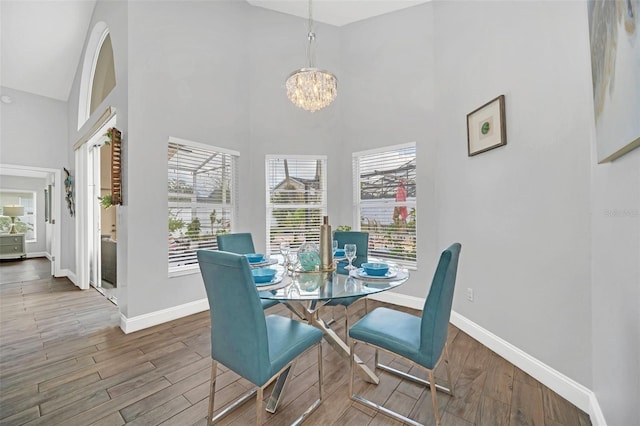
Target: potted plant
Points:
(105, 201)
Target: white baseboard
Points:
(572, 391)
(69, 274)
(595, 412)
(399, 299)
(37, 254)
(140, 322)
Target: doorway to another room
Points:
(38, 191)
(104, 273)
(97, 212)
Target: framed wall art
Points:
(614, 28)
(486, 127)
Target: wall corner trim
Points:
(579, 395)
(140, 322)
(69, 274)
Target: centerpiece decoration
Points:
(309, 257)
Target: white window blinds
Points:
(201, 189)
(385, 201)
(296, 200)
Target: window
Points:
(98, 77)
(201, 188)
(385, 201)
(25, 224)
(296, 200)
(104, 75)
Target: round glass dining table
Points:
(315, 289)
(303, 293)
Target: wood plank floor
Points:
(64, 360)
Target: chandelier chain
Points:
(311, 38)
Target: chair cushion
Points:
(394, 331)
(267, 303)
(288, 339)
(344, 301)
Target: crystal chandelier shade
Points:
(311, 88)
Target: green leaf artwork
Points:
(485, 128)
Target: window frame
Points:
(270, 206)
(358, 203)
(234, 156)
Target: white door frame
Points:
(85, 227)
(54, 176)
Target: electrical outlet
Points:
(470, 294)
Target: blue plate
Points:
(274, 280)
(263, 275)
(375, 269)
(360, 273)
(254, 257)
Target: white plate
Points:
(263, 263)
(362, 274)
(275, 280)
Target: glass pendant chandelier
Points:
(311, 88)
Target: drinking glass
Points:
(334, 246)
(350, 253)
(292, 260)
(284, 251)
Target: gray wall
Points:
(211, 72)
(188, 73)
(615, 318)
(36, 185)
(387, 98)
(520, 211)
(276, 46)
(33, 131)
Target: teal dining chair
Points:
(420, 340)
(361, 240)
(256, 347)
(241, 243)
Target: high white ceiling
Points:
(41, 44)
(336, 12)
(42, 40)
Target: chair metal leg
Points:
(434, 396)
(446, 367)
(352, 361)
(211, 419)
(318, 401)
(279, 388)
(235, 404)
(333, 317)
(212, 390)
(346, 324)
(259, 407)
(320, 373)
(388, 369)
(431, 383)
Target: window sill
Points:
(184, 271)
